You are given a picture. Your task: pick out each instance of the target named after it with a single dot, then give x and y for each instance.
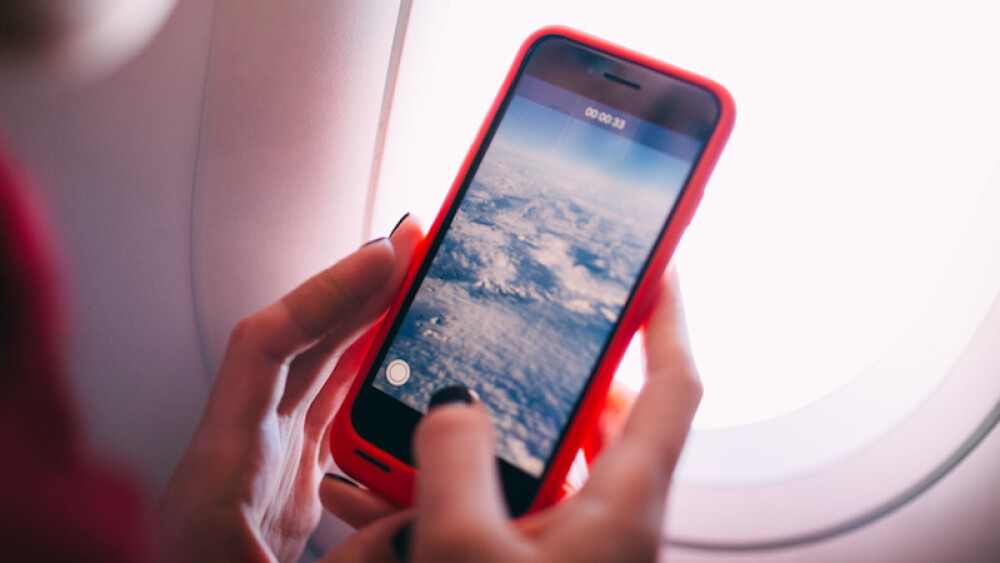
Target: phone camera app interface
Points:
(538, 262)
(397, 372)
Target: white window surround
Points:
(863, 451)
(899, 365)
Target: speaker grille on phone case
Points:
(622, 81)
(372, 461)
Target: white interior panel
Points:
(114, 161)
(292, 106)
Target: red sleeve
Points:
(57, 503)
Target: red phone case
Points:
(397, 483)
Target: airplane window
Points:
(843, 258)
(829, 231)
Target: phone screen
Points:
(552, 229)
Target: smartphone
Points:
(541, 264)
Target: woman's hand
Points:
(246, 487)
(618, 515)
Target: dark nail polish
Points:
(373, 241)
(341, 479)
(401, 542)
(398, 223)
(448, 395)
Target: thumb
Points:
(458, 497)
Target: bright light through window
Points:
(865, 135)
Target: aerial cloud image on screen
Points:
(540, 259)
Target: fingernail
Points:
(341, 479)
(398, 223)
(401, 542)
(373, 241)
(449, 395)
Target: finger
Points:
(616, 412)
(331, 395)
(355, 307)
(319, 418)
(310, 368)
(251, 379)
(337, 301)
(636, 471)
(372, 543)
(352, 504)
(610, 422)
(459, 507)
(672, 382)
(665, 337)
(307, 371)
